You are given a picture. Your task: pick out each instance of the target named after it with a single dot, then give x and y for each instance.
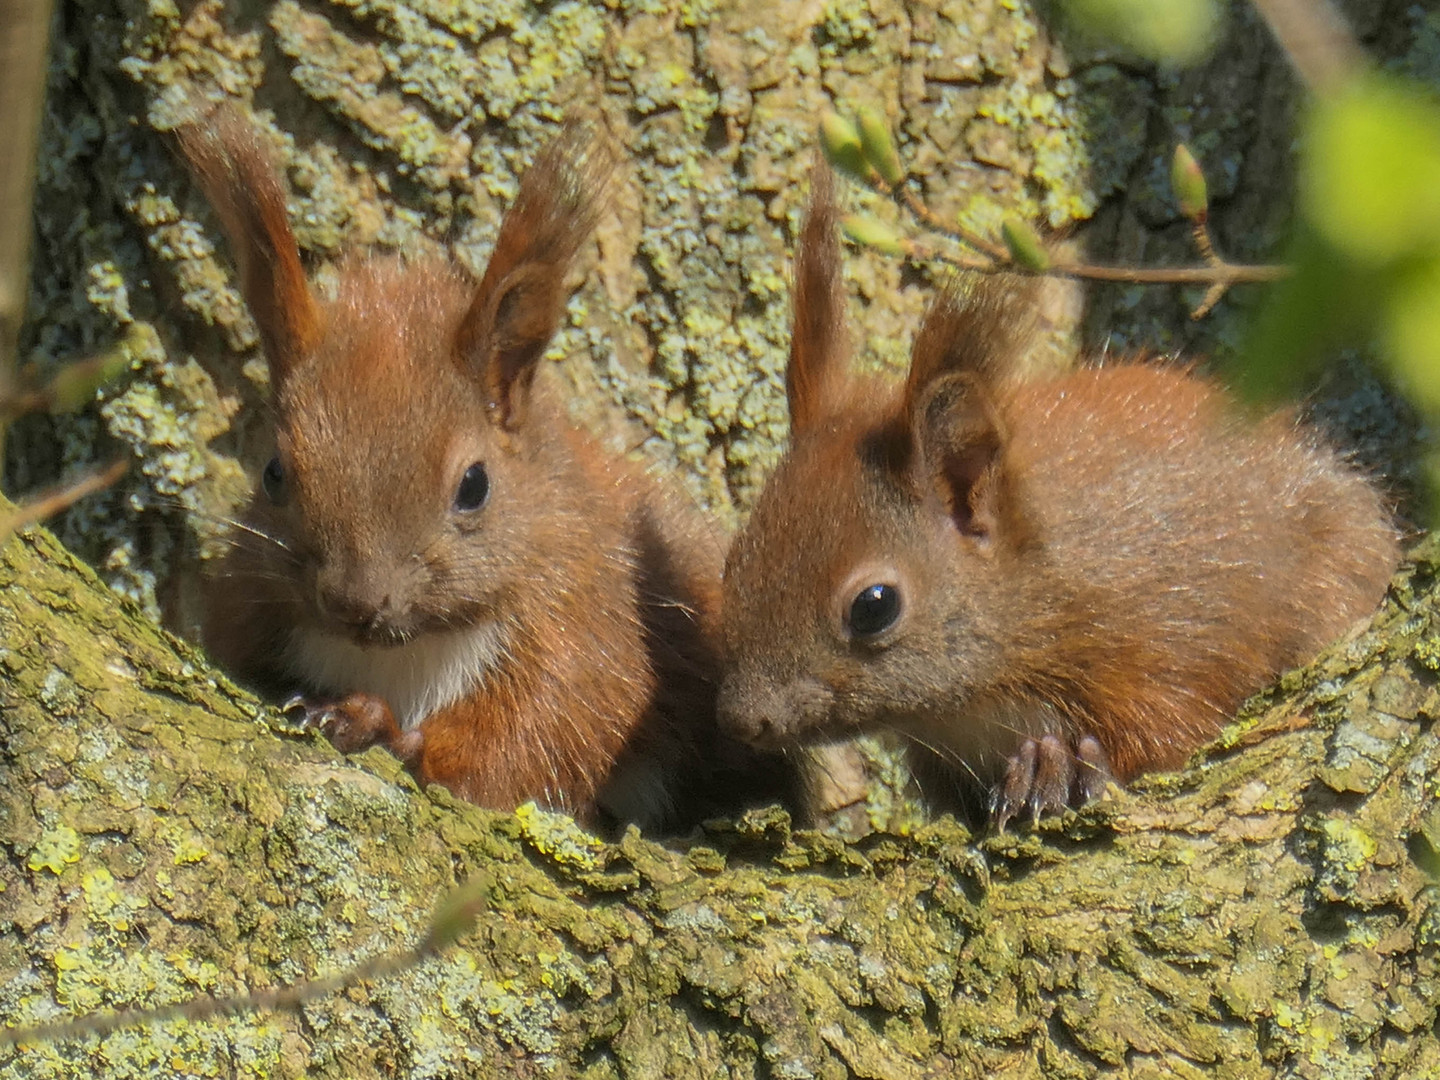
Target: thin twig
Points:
(1216, 271)
(52, 502)
(286, 998)
(1316, 38)
(453, 918)
(1223, 273)
(935, 223)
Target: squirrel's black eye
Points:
(273, 481)
(874, 610)
(474, 488)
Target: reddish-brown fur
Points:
(563, 631)
(1117, 554)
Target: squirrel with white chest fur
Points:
(1041, 583)
(436, 557)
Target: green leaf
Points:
(1370, 175)
(841, 143)
(878, 146)
(1181, 31)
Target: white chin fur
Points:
(415, 679)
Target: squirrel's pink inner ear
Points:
(505, 332)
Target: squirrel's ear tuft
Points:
(818, 373)
(519, 302)
(235, 169)
(982, 326)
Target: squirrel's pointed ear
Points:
(981, 326)
(235, 170)
(519, 302)
(819, 344)
(960, 440)
(969, 344)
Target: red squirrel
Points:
(436, 557)
(1041, 583)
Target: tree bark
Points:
(405, 125)
(1268, 912)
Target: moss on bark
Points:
(1269, 912)
(1266, 913)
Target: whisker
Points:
(154, 500)
(946, 754)
(243, 544)
(657, 600)
(258, 533)
(252, 575)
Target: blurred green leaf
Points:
(75, 384)
(1370, 174)
(1366, 256)
(1322, 303)
(841, 142)
(878, 146)
(1024, 245)
(1180, 31)
(456, 914)
(1411, 332)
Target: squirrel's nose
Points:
(769, 712)
(363, 601)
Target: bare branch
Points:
(995, 257)
(55, 500)
(1316, 38)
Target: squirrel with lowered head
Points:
(436, 557)
(1042, 584)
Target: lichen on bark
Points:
(405, 125)
(1268, 912)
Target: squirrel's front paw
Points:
(351, 723)
(1047, 775)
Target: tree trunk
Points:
(1269, 912)
(1265, 913)
(405, 125)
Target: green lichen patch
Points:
(570, 849)
(420, 116)
(1227, 918)
(56, 849)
